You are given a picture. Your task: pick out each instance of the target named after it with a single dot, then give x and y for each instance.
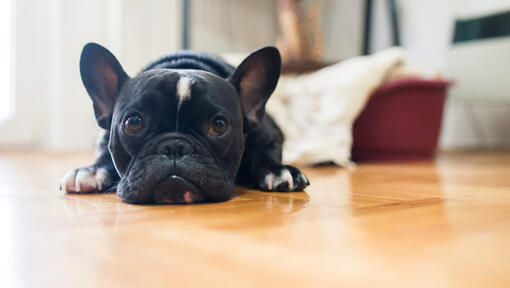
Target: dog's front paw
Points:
(282, 178)
(87, 180)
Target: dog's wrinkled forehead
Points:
(182, 86)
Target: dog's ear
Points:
(103, 78)
(255, 79)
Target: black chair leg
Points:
(367, 28)
(392, 5)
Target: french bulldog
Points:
(186, 129)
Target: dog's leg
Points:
(97, 178)
(261, 165)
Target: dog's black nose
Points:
(177, 147)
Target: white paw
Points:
(283, 179)
(86, 180)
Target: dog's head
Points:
(177, 136)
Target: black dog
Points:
(185, 129)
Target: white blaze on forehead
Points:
(183, 90)
(183, 93)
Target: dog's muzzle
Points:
(174, 168)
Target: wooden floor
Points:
(442, 224)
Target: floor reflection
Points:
(400, 210)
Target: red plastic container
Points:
(401, 121)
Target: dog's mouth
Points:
(170, 172)
(157, 180)
(176, 190)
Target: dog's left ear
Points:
(255, 79)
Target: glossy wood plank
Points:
(427, 224)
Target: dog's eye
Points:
(133, 124)
(218, 126)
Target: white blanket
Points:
(316, 111)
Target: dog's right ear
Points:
(103, 78)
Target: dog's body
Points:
(185, 129)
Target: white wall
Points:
(224, 26)
(343, 25)
(53, 109)
(30, 72)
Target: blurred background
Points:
(43, 103)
